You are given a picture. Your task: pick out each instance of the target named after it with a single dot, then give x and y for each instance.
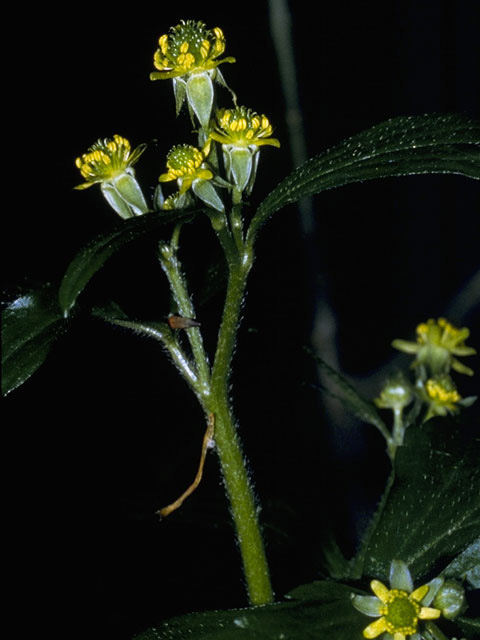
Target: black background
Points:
(106, 432)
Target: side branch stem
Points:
(170, 265)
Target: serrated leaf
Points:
(94, 255)
(332, 616)
(357, 563)
(398, 147)
(30, 325)
(432, 512)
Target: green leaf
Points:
(402, 146)
(432, 512)
(94, 255)
(333, 560)
(466, 565)
(327, 614)
(31, 324)
(358, 561)
(350, 398)
(322, 591)
(469, 626)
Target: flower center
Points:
(184, 160)
(189, 45)
(401, 613)
(241, 124)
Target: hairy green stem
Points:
(236, 221)
(232, 462)
(212, 393)
(242, 503)
(171, 266)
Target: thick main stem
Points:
(232, 462)
(243, 508)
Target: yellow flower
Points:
(188, 48)
(175, 201)
(241, 132)
(106, 159)
(442, 396)
(243, 128)
(109, 162)
(399, 608)
(186, 164)
(189, 54)
(438, 341)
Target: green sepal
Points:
(180, 91)
(200, 96)
(116, 201)
(239, 165)
(129, 189)
(205, 190)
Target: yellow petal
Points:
(428, 613)
(380, 590)
(84, 185)
(204, 174)
(419, 593)
(398, 636)
(375, 628)
(167, 177)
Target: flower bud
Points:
(450, 599)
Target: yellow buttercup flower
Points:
(188, 48)
(189, 55)
(442, 396)
(241, 132)
(400, 608)
(176, 201)
(187, 165)
(109, 162)
(243, 128)
(438, 341)
(106, 159)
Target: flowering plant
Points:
(425, 530)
